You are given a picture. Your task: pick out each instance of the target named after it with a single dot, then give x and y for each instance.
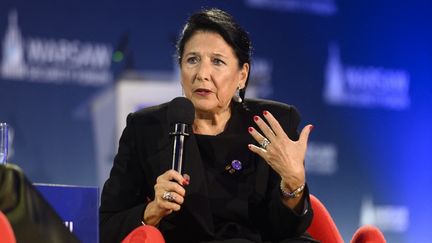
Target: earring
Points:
(237, 97)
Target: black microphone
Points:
(181, 113)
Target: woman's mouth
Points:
(202, 92)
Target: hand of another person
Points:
(284, 155)
(169, 196)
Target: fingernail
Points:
(185, 182)
(311, 127)
(249, 146)
(250, 129)
(256, 118)
(265, 113)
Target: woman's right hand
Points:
(171, 183)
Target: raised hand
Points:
(284, 155)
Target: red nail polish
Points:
(250, 129)
(256, 118)
(249, 146)
(265, 113)
(311, 127)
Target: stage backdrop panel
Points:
(358, 70)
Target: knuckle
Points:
(182, 191)
(180, 200)
(156, 187)
(169, 172)
(179, 189)
(176, 207)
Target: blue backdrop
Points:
(360, 71)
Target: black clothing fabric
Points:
(30, 215)
(219, 206)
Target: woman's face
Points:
(210, 72)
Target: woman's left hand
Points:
(284, 155)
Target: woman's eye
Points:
(192, 60)
(218, 61)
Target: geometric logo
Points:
(49, 60)
(13, 63)
(364, 86)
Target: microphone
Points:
(181, 113)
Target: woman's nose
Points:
(204, 71)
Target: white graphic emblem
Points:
(13, 63)
(364, 86)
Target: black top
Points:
(218, 153)
(218, 205)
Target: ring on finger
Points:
(265, 142)
(168, 196)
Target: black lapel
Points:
(242, 119)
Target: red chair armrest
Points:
(323, 228)
(368, 234)
(144, 234)
(6, 232)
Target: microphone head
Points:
(181, 110)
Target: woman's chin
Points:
(204, 105)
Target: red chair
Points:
(6, 233)
(322, 228)
(144, 234)
(368, 234)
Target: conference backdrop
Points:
(360, 71)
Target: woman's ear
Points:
(244, 72)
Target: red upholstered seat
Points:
(6, 232)
(144, 234)
(323, 228)
(368, 234)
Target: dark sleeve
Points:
(284, 222)
(124, 197)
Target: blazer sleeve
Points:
(283, 222)
(124, 197)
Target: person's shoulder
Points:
(150, 113)
(287, 115)
(263, 104)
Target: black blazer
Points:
(145, 152)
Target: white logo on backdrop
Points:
(386, 217)
(13, 65)
(318, 7)
(364, 86)
(321, 158)
(53, 60)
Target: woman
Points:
(245, 178)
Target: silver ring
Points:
(265, 142)
(168, 196)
